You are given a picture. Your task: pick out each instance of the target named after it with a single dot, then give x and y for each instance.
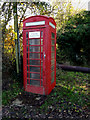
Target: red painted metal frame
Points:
(47, 86)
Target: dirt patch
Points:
(30, 108)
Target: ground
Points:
(69, 99)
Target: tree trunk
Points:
(16, 34)
(74, 68)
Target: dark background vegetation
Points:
(74, 43)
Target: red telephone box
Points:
(39, 54)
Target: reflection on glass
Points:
(52, 55)
(53, 35)
(52, 73)
(41, 63)
(34, 42)
(34, 69)
(41, 49)
(41, 55)
(35, 82)
(34, 48)
(27, 75)
(52, 79)
(41, 41)
(27, 41)
(41, 70)
(41, 34)
(53, 42)
(34, 55)
(27, 68)
(41, 83)
(27, 55)
(52, 68)
(27, 62)
(27, 81)
(27, 49)
(26, 34)
(41, 75)
(52, 48)
(34, 76)
(52, 62)
(34, 62)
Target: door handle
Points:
(44, 55)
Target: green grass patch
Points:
(71, 92)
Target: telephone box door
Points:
(35, 60)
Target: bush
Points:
(74, 43)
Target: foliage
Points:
(10, 41)
(9, 48)
(9, 51)
(35, 8)
(74, 41)
(41, 8)
(8, 34)
(62, 11)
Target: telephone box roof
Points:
(38, 16)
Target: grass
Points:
(70, 93)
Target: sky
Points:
(81, 4)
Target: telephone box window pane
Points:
(41, 63)
(52, 73)
(27, 55)
(27, 41)
(53, 42)
(52, 79)
(41, 83)
(27, 62)
(27, 68)
(34, 69)
(34, 48)
(27, 75)
(52, 55)
(53, 35)
(52, 48)
(34, 42)
(52, 68)
(35, 82)
(34, 62)
(35, 55)
(34, 76)
(27, 81)
(41, 49)
(27, 49)
(41, 55)
(41, 76)
(41, 34)
(26, 34)
(52, 62)
(41, 41)
(41, 70)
